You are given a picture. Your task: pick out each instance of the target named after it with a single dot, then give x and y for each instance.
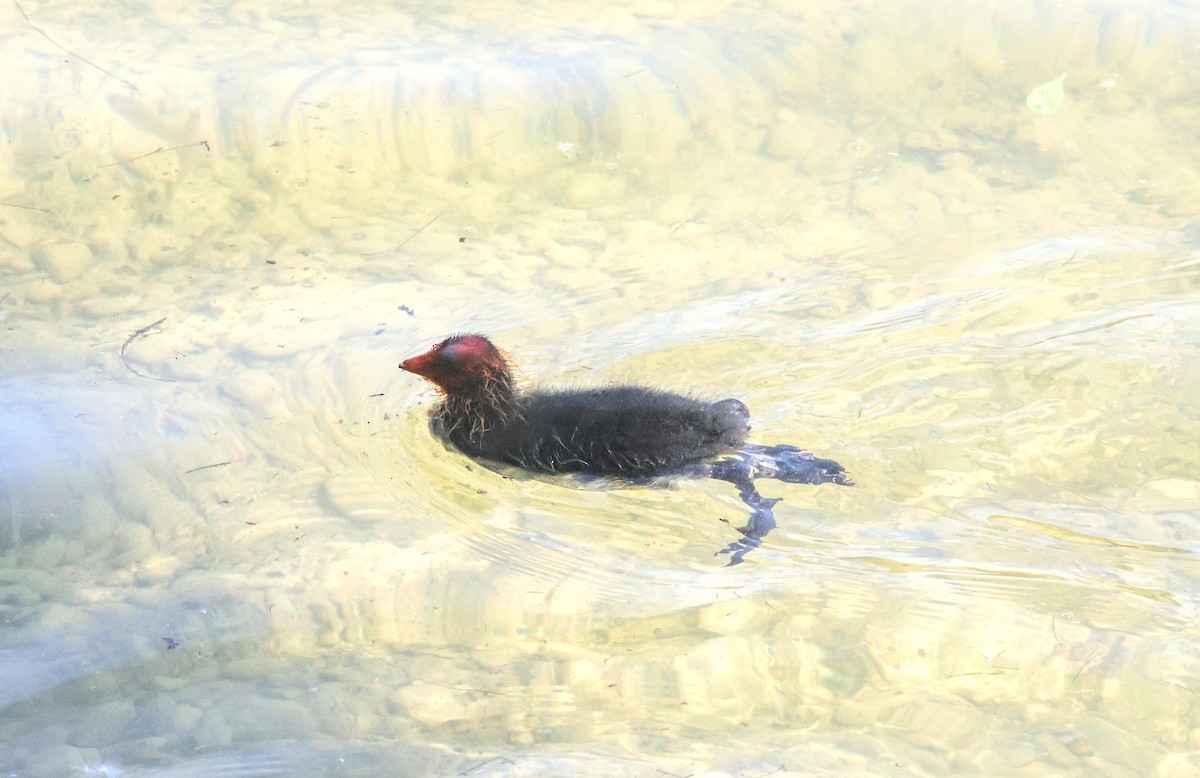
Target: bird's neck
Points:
(491, 403)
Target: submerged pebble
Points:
(63, 260)
(102, 724)
(593, 189)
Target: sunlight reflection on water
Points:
(229, 544)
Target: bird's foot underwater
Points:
(783, 463)
(762, 521)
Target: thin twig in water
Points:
(130, 339)
(1085, 498)
(158, 150)
(84, 60)
(503, 759)
(422, 228)
(762, 593)
(463, 688)
(206, 467)
(1083, 666)
(27, 207)
(1037, 758)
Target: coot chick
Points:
(623, 431)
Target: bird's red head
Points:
(462, 364)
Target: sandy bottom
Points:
(230, 546)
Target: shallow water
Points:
(229, 545)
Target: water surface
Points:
(229, 545)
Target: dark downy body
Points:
(622, 431)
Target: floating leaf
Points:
(1048, 97)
